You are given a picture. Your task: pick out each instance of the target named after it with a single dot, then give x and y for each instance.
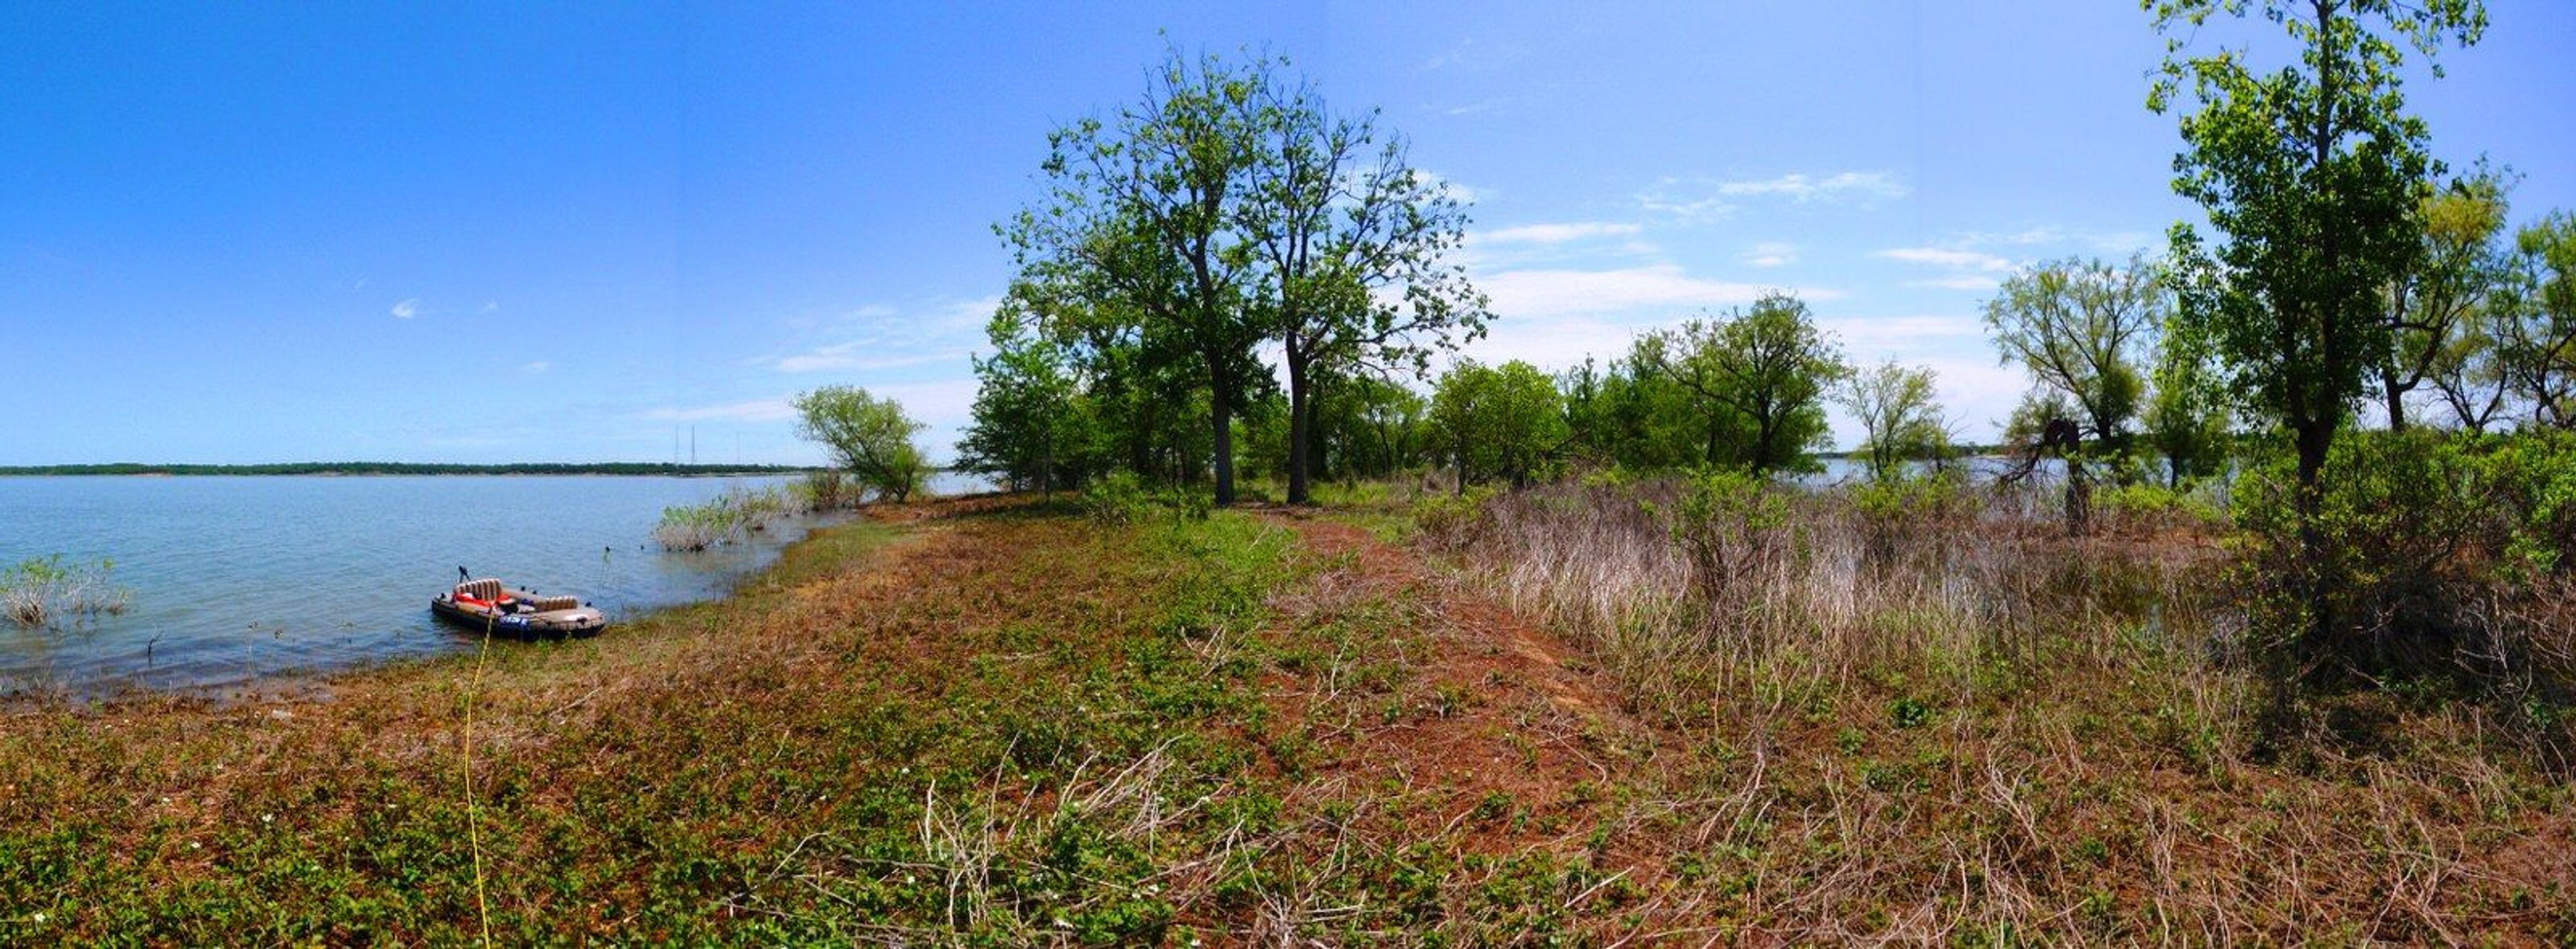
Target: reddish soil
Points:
(1522, 723)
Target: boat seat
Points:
(486, 589)
(547, 604)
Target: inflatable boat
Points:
(485, 605)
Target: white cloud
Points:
(1704, 199)
(1701, 209)
(491, 306)
(406, 309)
(1545, 293)
(1888, 334)
(848, 356)
(1947, 257)
(2106, 242)
(537, 366)
(756, 410)
(1770, 254)
(1473, 55)
(943, 403)
(1971, 283)
(970, 314)
(1856, 184)
(1463, 193)
(1553, 233)
(1553, 345)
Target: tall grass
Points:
(728, 517)
(1718, 585)
(1927, 713)
(45, 591)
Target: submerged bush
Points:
(826, 490)
(727, 517)
(43, 591)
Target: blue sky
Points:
(493, 233)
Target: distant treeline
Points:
(405, 468)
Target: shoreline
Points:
(310, 686)
(396, 469)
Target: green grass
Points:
(1017, 728)
(1019, 725)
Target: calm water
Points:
(238, 578)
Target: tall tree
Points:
(2537, 329)
(2434, 303)
(2186, 419)
(1899, 418)
(2081, 328)
(1031, 422)
(1764, 371)
(1143, 209)
(1352, 243)
(1499, 422)
(2311, 177)
(868, 436)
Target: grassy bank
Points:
(1009, 727)
(1008, 723)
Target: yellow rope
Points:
(473, 814)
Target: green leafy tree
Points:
(2186, 419)
(1899, 416)
(2433, 306)
(1760, 375)
(2537, 329)
(1352, 244)
(2311, 176)
(1032, 423)
(1141, 215)
(867, 436)
(2080, 327)
(1499, 422)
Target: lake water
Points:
(238, 578)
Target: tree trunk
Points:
(2079, 497)
(2396, 406)
(1299, 426)
(2314, 437)
(1221, 415)
(1461, 457)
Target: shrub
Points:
(2147, 507)
(826, 490)
(1121, 497)
(1448, 521)
(42, 591)
(1117, 498)
(726, 518)
(2440, 562)
(1729, 520)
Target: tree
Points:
(1498, 422)
(1352, 243)
(2079, 327)
(1141, 215)
(2186, 418)
(1031, 420)
(2433, 304)
(2537, 326)
(2311, 177)
(1898, 417)
(869, 437)
(1763, 371)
